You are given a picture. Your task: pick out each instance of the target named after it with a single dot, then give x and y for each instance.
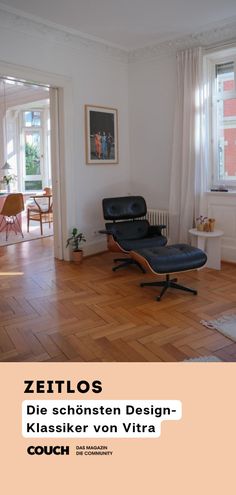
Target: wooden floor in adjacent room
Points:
(57, 311)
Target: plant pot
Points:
(77, 256)
(200, 226)
(212, 224)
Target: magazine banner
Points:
(112, 428)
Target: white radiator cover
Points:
(222, 207)
(159, 217)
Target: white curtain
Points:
(189, 155)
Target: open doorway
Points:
(25, 159)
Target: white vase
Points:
(9, 188)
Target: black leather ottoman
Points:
(169, 259)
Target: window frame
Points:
(44, 152)
(213, 61)
(33, 177)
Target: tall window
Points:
(35, 153)
(224, 122)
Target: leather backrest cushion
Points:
(128, 230)
(124, 207)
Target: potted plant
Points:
(75, 241)
(201, 221)
(8, 179)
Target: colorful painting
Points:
(101, 135)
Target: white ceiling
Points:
(130, 23)
(15, 92)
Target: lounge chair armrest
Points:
(106, 232)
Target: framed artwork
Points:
(101, 132)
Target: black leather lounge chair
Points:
(126, 231)
(167, 260)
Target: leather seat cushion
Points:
(174, 258)
(147, 242)
(128, 229)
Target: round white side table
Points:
(210, 242)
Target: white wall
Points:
(104, 83)
(144, 94)
(152, 86)
(96, 78)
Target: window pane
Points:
(28, 119)
(226, 136)
(33, 185)
(32, 153)
(32, 118)
(36, 118)
(230, 108)
(230, 152)
(225, 77)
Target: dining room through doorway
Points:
(25, 159)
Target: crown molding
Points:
(12, 19)
(31, 25)
(225, 32)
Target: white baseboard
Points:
(228, 253)
(95, 247)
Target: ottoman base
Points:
(123, 262)
(169, 259)
(166, 284)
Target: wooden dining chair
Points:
(13, 206)
(41, 210)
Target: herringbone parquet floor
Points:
(57, 311)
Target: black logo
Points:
(48, 450)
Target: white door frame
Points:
(61, 146)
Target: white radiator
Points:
(159, 217)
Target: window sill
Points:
(221, 193)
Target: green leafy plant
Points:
(32, 159)
(75, 240)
